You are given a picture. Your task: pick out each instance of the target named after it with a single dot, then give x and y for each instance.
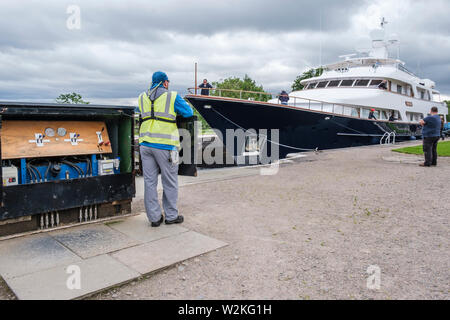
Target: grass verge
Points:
(443, 149)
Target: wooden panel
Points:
(19, 141)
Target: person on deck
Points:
(372, 115)
(284, 97)
(392, 117)
(205, 88)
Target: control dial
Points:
(62, 132)
(50, 132)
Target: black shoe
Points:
(424, 165)
(179, 219)
(157, 224)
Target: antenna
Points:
(383, 22)
(195, 80)
(320, 54)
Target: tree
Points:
(246, 84)
(70, 98)
(311, 73)
(448, 106)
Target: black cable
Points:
(70, 164)
(88, 166)
(81, 160)
(37, 171)
(34, 173)
(77, 168)
(31, 174)
(48, 169)
(34, 169)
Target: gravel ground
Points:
(5, 292)
(312, 230)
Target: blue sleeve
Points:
(183, 108)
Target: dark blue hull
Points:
(300, 129)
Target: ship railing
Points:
(234, 93)
(401, 67)
(265, 96)
(345, 109)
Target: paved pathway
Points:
(45, 266)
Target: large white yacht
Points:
(363, 99)
(371, 79)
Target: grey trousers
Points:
(152, 161)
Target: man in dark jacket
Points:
(284, 97)
(206, 86)
(431, 133)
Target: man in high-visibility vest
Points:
(159, 142)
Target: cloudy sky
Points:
(110, 55)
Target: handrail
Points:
(277, 95)
(231, 90)
(387, 136)
(304, 101)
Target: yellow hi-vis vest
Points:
(159, 119)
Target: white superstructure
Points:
(352, 87)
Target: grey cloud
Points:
(121, 43)
(43, 23)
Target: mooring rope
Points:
(344, 126)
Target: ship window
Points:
(338, 109)
(399, 89)
(355, 112)
(436, 96)
(361, 83)
(347, 83)
(377, 114)
(334, 83)
(322, 84)
(409, 116)
(384, 115)
(375, 83)
(365, 113)
(312, 85)
(347, 111)
(412, 116)
(408, 91)
(422, 94)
